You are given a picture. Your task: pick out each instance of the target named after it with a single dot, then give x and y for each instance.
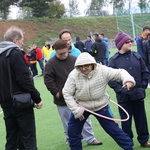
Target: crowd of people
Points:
(35, 54)
(78, 82)
(98, 48)
(96, 45)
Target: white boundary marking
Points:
(1, 112)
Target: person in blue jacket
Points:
(147, 54)
(64, 112)
(140, 40)
(71, 48)
(132, 101)
(88, 45)
(105, 41)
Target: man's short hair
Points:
(64, 31)
(95, 34)
(102, 34)
(89, 36)
(146, 27)
(60, 44)
(12, 33)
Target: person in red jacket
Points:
(39, 57)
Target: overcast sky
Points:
(82, 5)
(14, 9)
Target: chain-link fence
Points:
(132, 24)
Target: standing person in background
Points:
(132, 101)
(147, 54)
(79, 44)
(105, 40)
(65, 35)
(95, 36)
(39, 57)
(99, 51)
(31, 55)
(141, 40)
(46, 51)
(88, 45)
(88, 134)
(86, 86)
(17, 122)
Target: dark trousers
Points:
(20, 123)
(41, 63)
(149, 71)
(20, 143)
(34, 69)
(75, 128)
(136, 110)
(101, 60)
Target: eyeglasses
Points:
(131, 41)
(84, 66)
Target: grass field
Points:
(50, 134)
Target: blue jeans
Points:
(75, 128)
(101, 60)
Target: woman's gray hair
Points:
(12, 33)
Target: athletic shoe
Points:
(95, 142)
(35, 77)
(148, 85)
(146, 145)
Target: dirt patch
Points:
(27, 26)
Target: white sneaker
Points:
(35, 77)
(148, 85)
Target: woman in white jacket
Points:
(86, 86)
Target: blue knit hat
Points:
(120, 39)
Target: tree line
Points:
(56, 9)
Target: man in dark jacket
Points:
(88, 45)
(140, 40)
(147, 55)
(31, 55)
(133, 100)
(79, 44)
(16, 122)
(99, 51)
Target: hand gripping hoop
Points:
(113, 119)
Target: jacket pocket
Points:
(136, 94)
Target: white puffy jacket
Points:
(90, 90)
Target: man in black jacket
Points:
(99, 50)
(79, 44)
(16, 122)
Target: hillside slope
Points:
(39, 30)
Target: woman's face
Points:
(127, 46)
(86, 69)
